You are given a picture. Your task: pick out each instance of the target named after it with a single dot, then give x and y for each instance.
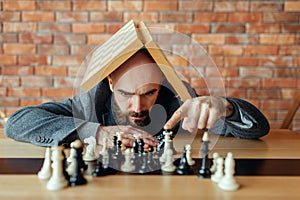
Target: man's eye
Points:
(149, 93)
(125, 94)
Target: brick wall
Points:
(254, 43)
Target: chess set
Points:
(61, 171)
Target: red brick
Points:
(265, 6)
(10, 16)
(177, 60)
(24, 92)
(8, 59)
(279, 39)
(51, 71)
(69, 39)
(38, 16)
(125, 5)
(192, 28)
(35, 81)
(97, 38)
(261, 50)
(30, 102)
(202, 61)
(106, 16)
(273, 61)
(72, 16)
(264, 93)
(242, 39)
(57, 92)
(141, 16)
(73, 71)
(292, 6)
(297, 63)
(19, 49)
(222, 72)
(54, 27)
(175, 17)
(210, 17)
(89, 5)
(228, 28)
(189, 5)
(113, 28)
(225, 50)
(290, 28)
(244, 83)
(229, 6)
(244, 17)
(10, 81)
(67, 60)
(8, 37)
(3, 91)
(240, 61)
(54, 5)
(64, 82)
(279, 83)
(255, 72)
(188, 71)
(17, 5)
(188, 50)
(88, 28)
(19, 27)
(262, 28)
(160, 5)
(8, 101)
(236, 93)
(209, 39)
(17, 70)
(36, 38)
(285, 72)
(49, 49)
(278, 17)
(32, 60)
(81, 50)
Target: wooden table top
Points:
(279, 144)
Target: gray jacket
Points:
(56, 123)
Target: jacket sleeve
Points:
(53, 123)
(246, 122)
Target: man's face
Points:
(135, 87)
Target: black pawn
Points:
(183, 167)
(77, 178)
(204, 171)
(99, 170)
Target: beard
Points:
(124, 118)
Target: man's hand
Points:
(200, 112)
(127, 137)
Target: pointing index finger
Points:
(176, 117)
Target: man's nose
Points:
(136, 103)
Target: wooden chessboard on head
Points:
(119, 48)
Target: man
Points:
(134, 99)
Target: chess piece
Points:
(77, 178)
(214, 165)
(204, 171)
(99, 170)
(168, 166)
(45, 172)
(90, 149)
(127, 165)
(119, 135)
(167, 145)
(228, 181)
(183, 167)
(57, 180)
(190, 161)
(218, 174)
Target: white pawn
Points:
(228, 182)
(169, 166)
(119, 135)
(214, 166)
(190, 161)
(57, 180)
(218, 174)
(45, 172)
(127, 166)
(90, 149)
